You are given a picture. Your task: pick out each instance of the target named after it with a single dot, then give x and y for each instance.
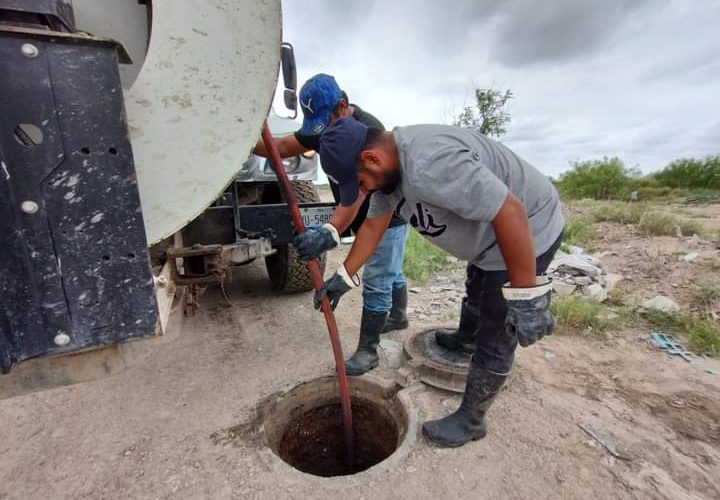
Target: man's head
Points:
(322, 102)
(357, 157)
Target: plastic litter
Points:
(670, 345)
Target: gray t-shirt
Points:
(455, 180)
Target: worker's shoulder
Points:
(425, 144)
(366, 118)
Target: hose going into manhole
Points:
(314, 266)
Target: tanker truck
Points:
(127, 183)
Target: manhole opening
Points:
(305, 427)
(314, 443)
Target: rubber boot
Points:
(462, 339)
(397, 320)
(366, 357)
(468, 422)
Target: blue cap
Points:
(339, 147)
(318, 98)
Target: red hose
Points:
(314, 266)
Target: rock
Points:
(574, 264)
(688, 257)
(563, 288)
(662, 303)
(592, 260)
(609, 281)
(583, 280)
(595, 292)
(575, 250)
(390, 354)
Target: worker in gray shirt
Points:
(479, 201)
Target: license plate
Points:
(316, 215)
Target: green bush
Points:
(576, 314)
(691, 173)
(620, 212)
(599, 179)
(649, 221)
(662, 224)
(422, 257)
(577, 232)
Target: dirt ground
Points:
(152, 431)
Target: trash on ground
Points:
(688, 257)
(605, 443)
(580, 273)
(670, 345)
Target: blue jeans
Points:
(383, 270)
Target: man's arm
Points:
(512, 231)
(288, 146)
(366, 240)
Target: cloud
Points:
(635, 79)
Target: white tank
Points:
(196, 99)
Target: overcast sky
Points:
(638, 79)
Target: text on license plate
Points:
(316, 216)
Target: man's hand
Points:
(315, 240)
(529, 316)
(338, 285)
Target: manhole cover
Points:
(434, 364)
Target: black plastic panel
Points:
(79, 265)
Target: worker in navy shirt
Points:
(384, 286)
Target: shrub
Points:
(691, 173)
(422, 257)
(649, 221)
(577, 232)
(576, 314)
(620, 212)
(599, 179)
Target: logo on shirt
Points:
(423, 221)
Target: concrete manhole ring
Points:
(304, 427)
(435, 365)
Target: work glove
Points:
(315, 240)
(529, 316)
(338, 285)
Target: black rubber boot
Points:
(468, 422)
(397, 320)
(462, 339)
(366, 358)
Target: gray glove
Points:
(529, 316)
(315, 240)
(338, 285)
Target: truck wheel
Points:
(286, 272)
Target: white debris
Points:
(688, 257)
(595, 292)
(97, 218)
(562, 288)
(390, 354)
(574, 264)
(609, 281)
(662, 303)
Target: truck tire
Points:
(286, 272)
